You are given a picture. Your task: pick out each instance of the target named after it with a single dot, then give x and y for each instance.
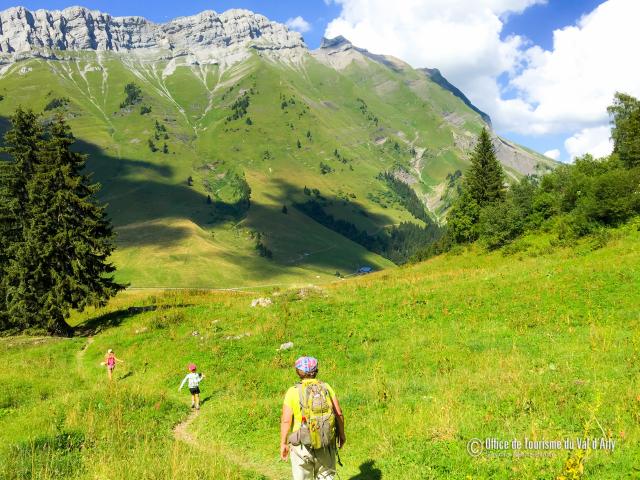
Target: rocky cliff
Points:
(76, 28)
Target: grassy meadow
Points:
(540, 341)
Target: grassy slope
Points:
(160, 219)
(543, 344)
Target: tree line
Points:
(407, 196)
(572, 201)
(55, 237)
(397, 243)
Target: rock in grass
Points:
(261, 302)
(286, 346)
(237, 337)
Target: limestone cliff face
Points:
(76, 28)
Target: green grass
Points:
(540, 341)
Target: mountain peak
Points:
(437, 77)
(336, 42)
(79, 28)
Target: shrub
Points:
(263, 251)
(56, 103)
(500, 223)
(325, 169)
(133, 95)
(613, 197)
(463, 219)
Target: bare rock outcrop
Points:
(76, 28)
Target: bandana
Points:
(307, 364)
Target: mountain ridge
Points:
(79, 28)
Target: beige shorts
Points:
(307, 464)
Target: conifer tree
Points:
(485, 177)
(62, 262)
(22, 144)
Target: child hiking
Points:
(110, 361)
(194, 380)
(318, 424)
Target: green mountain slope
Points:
(332, 122)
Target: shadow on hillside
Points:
(146, 204)
(114, 319)
(368, 472)
(109, 320)
(288, 192)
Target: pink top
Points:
(111, 361)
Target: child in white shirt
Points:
(194, 380)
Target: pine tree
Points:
(485, 177)
(22, 145)
(62, 262)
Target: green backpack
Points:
(318, 422)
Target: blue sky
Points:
(537, 22)
(501, 52)
(316, 12)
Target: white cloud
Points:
(553, 154)
(595, 141)
(460, 37)
(298, 24)
(572, 85)
(562, 90)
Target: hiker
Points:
(317, 424)
(194, 380)
(110, 361)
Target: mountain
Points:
(231, 155)
(78, 28)
(435, 75)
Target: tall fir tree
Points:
(22, 145)
(62, 263)
(485, 177)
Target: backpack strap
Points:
(299, 387)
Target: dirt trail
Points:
(181, 431)
(81, 352)
(182, 434)
(80, 358)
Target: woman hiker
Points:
(312, 414)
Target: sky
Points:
(544, 70)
